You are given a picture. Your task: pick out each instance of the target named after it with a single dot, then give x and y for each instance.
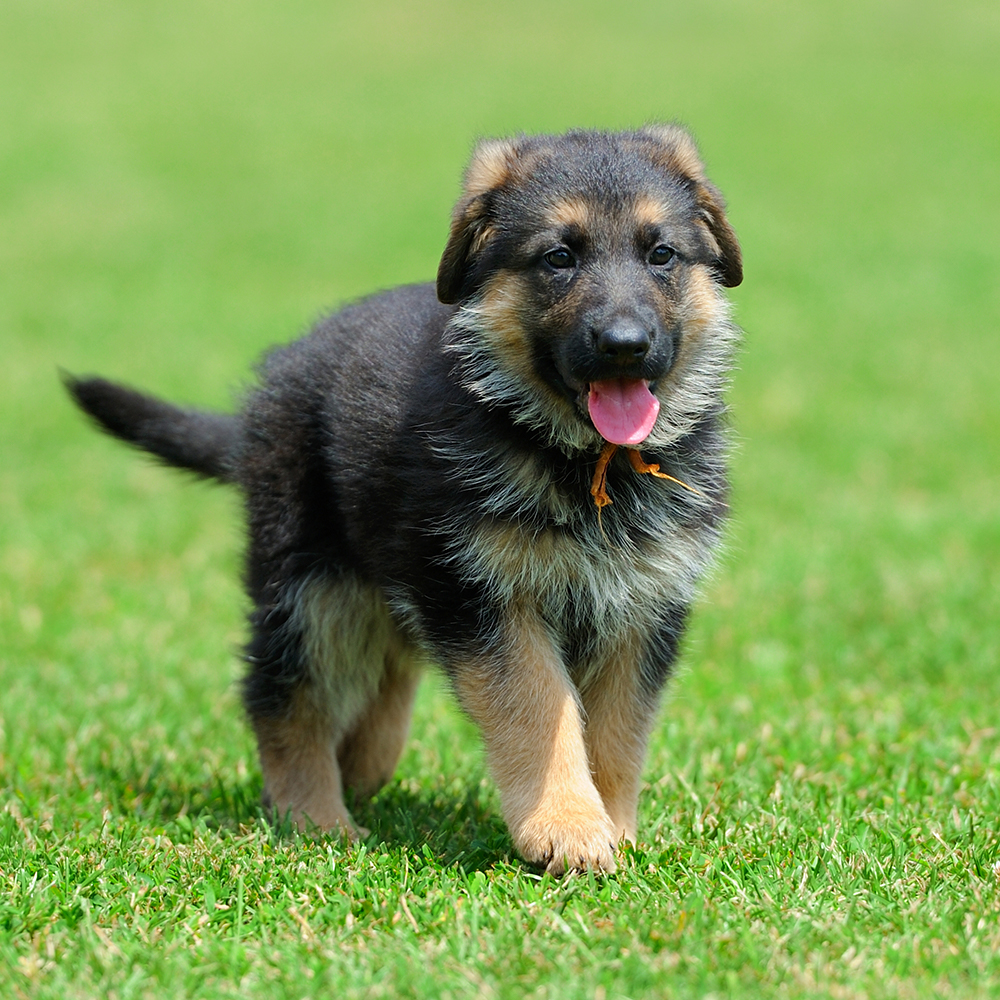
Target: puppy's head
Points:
(588, 267)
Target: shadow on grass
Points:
(456, 826)
(161, 795)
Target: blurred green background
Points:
(183, 184)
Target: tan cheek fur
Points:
(701, 369)
(503, 300)
(530, 718)
(702, 306)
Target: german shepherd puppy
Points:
(454, 475)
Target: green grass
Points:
(183, 184)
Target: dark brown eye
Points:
(560, 258)
(661, 255)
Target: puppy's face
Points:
(588, 267)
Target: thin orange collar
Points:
(598, 485)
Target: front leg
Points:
(621, 702)
(619, 717)
(530, 717)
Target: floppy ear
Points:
(677, 153)
(493, 164)
(729, 261)
(469, 233)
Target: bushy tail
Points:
(205, 443)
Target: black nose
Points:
(624, 340)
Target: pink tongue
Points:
(623, 409)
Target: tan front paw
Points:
(567, 841)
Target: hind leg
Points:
(297, 733)
(370, 752)
(319, 661)
(302, 777)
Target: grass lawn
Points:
(182, 184)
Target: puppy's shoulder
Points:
(369, 347)
(385, 330)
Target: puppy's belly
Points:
(348, 640)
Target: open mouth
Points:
(622, 409)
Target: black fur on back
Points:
(204, 443)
